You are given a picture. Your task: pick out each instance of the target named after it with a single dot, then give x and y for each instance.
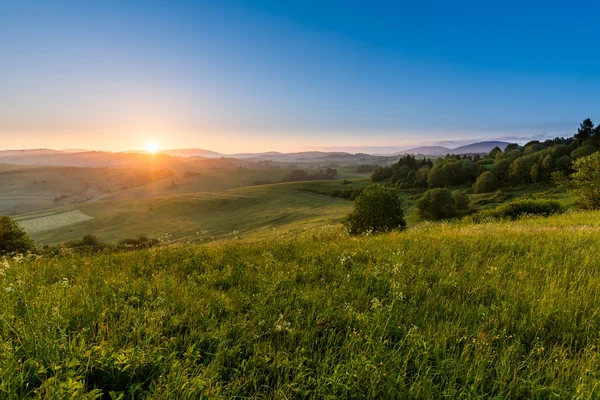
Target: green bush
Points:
(90, 240)
(585, 183)
(518, 208)
(436, 204)
(376, 209)
(461, 202)
(486, 183)
(13, 238)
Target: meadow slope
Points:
(457, 310)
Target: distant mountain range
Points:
(473, 148)
(179, 158)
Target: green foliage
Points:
(90, 240)
(13, 239)
(585, 181)
(421, 176)
(583, 151)
(436, 204)
(461, 202)
(451, 310)
(518, 208)
(376, 209)
(487, 182)
(451, 172)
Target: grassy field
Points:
(30, 189)
(200, 217)
(455, 310)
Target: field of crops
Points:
(54, 221)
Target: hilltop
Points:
(505, 309)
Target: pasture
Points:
(442, 310)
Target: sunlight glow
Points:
(151, 147)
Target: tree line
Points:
(536, 161)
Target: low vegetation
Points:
(519, 208)
(13, 238)
(445, 310)
(376, 209)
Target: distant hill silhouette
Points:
(479, 147)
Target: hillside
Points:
(498, 310)
(194, 217)
(478, 147)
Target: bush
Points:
(13, 238)
(585, 184)
(90, 240)
(461, 202)
(486, 183)
(436, 204)
(376, 209)
(518, 209)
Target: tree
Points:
(585, 183)
(376, 209)
(13, 238)
(585, 131)
(583, 151)
(436, 204)
(487, 182)
(510, 147)
(421, 176)
(536, 173)
(461, 202)
(494, 152)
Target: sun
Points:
(151, 146)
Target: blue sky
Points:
(238, 76)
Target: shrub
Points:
(90, 240)
(376, 209)
(461, 201)
(486, 183)
(585, 184)
(518, 208)
(436, 204)
(13, 238)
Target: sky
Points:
(249, 76)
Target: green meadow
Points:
(451, 309)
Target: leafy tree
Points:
(585, 131)
(376, 209)
(461, 202)
(585, 183)
(487, 182)
(421, 176)
(501, 167)
(583, 151)
(13, 238)
(563, 163)
(495, 151)
(510, 147)
(536, 173)
(436, 204)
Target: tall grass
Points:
(500, 310)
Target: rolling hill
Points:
(441, 310)
(479, 147)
